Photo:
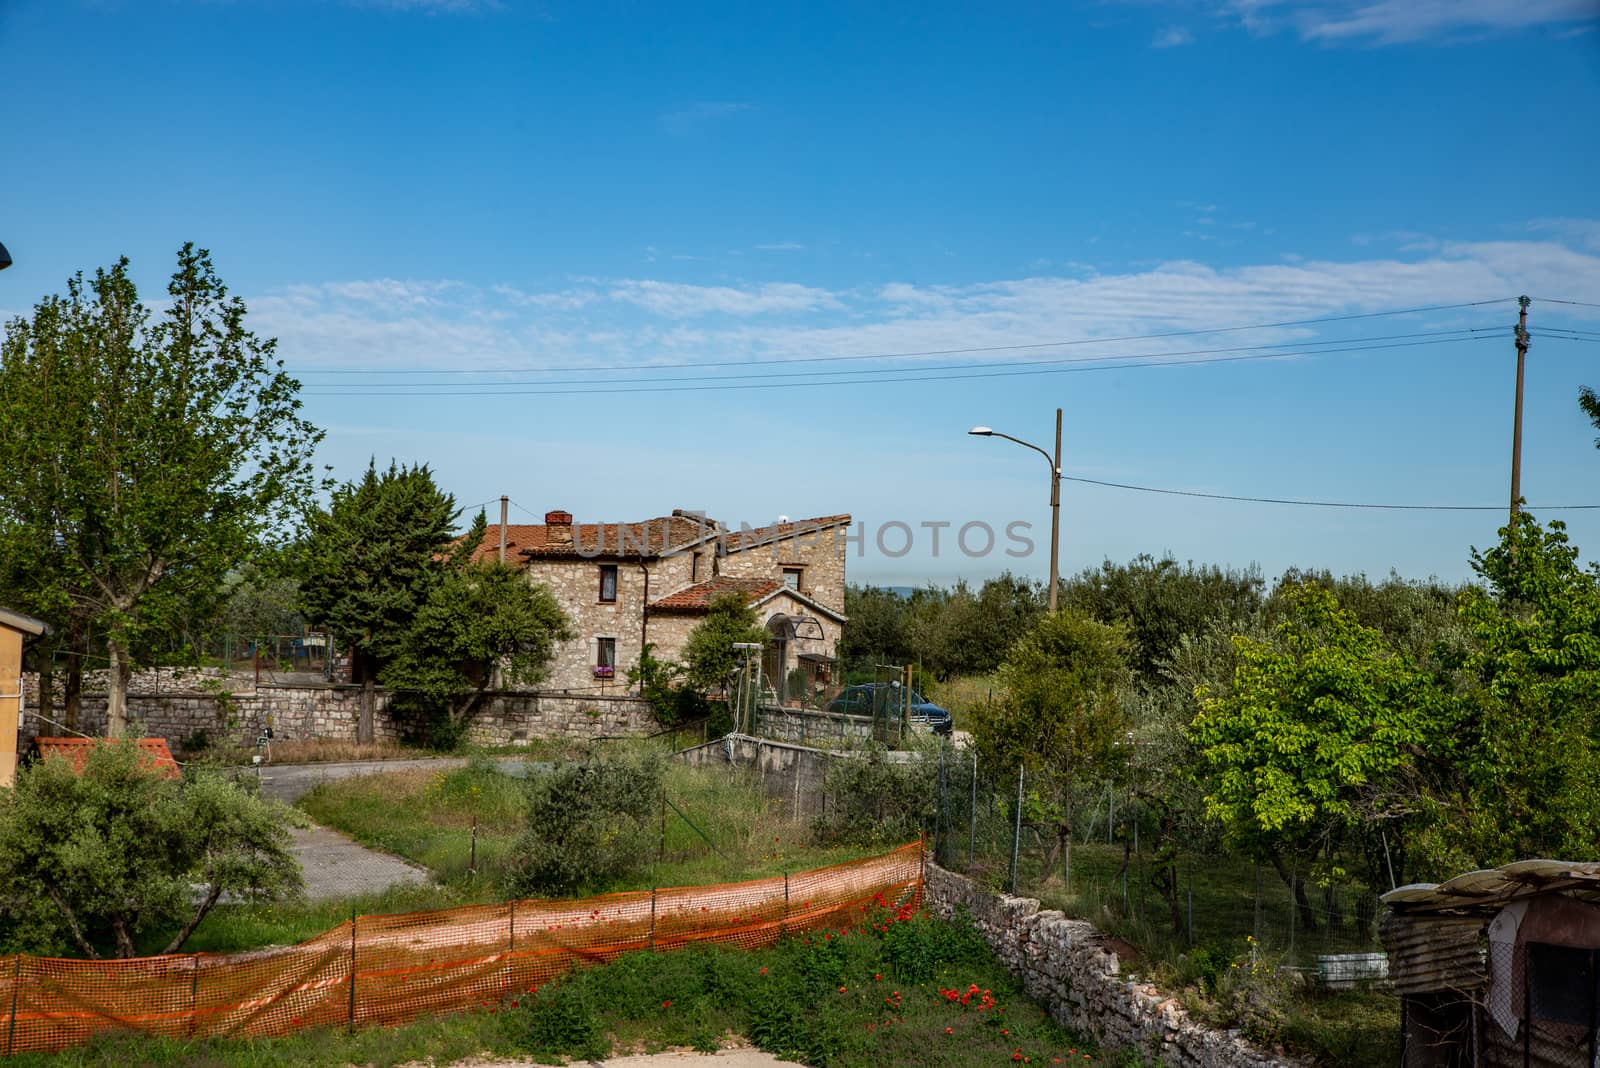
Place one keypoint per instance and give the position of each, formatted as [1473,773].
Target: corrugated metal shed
[1433,953]
[1491,889]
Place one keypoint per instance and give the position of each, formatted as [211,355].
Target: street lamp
[5,258]
[1055,493]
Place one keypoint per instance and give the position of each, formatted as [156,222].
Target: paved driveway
[333,865]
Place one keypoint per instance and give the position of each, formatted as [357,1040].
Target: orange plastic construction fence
[390,969]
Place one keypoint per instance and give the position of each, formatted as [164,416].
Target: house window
[605,658]
[608,583]
[791,578]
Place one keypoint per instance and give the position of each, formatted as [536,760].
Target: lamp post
[1055,493]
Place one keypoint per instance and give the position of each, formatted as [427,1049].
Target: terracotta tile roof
[648,538]
[744,539]
[698,598]
[651,537]
[153,751]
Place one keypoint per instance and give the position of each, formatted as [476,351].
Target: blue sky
[586,197]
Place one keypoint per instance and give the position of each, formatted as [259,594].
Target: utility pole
[1516,422]
[504,500]
[1055,516]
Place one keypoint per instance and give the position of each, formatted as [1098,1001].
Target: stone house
[625,585]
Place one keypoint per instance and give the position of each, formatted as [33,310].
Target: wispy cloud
[781,246]
[680,301]
[1387,22]
[653,321]
[1582,232]
[699,115]
[1172,37]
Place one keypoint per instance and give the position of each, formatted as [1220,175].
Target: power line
[1576,303]
[1103,364]
[908,355]
[1328,504]
[1463,333]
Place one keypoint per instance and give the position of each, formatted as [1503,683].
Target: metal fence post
[783,925]
[972,832]
[352,1023]
[1016,831]
[16,990]
[194,991]
[652,919]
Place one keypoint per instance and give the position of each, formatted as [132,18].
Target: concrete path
[336,867]
[290,782]
[333,865]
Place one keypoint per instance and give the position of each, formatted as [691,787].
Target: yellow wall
[10,683]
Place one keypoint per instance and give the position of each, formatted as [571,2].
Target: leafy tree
[708,655]
[119,850]
[1318,733]
[1591,407]
[1061,711]
[142,458]
[479,621]
[1521,771]
[1160,601]
[371,560]
[876,631]
[662,684]
[589,823]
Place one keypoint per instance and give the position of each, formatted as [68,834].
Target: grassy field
[921,992]
[718,826]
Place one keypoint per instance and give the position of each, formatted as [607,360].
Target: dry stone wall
[1067,967]
[330,711]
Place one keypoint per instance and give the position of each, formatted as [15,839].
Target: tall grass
[712,825]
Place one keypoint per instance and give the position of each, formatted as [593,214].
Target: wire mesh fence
[1117,864]
[388,969]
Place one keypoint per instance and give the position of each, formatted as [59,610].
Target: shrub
[873,801]
[589,824]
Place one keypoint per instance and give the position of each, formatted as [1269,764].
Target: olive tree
[119,850]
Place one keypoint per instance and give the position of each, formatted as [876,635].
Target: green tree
[1318,734]
[1160,601]
[371,560]
[1522,776]
[120,850]
[708,655]
[589,823]
[1591,407]
[483,624]
[262,600]
[1061,711]
[141,458]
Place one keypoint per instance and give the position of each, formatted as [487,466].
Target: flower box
[604,672]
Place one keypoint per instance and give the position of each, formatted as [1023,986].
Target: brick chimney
[558,528]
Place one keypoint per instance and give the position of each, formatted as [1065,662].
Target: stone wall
[330,711]
[807,727]
[792,774]
[1067,966]
[820,554]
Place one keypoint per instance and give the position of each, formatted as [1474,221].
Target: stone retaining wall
[795,775]
[1067,967]
[330,711]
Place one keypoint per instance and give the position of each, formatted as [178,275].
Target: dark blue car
[864,699]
